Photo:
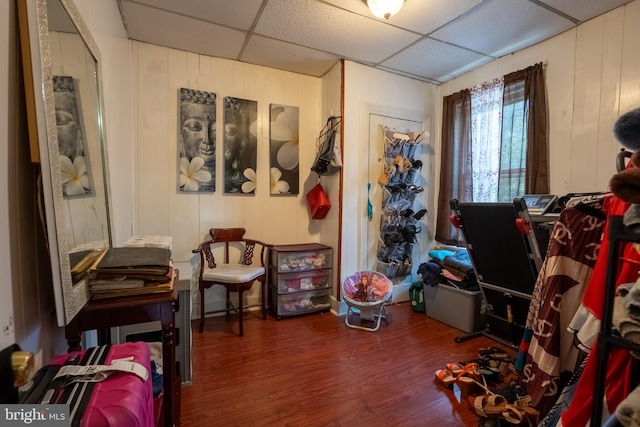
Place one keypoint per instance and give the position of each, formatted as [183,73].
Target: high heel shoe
[495,406]
[513,392]
[447,377]
[444,377]
[455,368]
[531,414]
[467,379]
[494,353]
[418,215]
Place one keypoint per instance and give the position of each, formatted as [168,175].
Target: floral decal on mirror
[196,141]
[75,173]
[284,149]
[240,145]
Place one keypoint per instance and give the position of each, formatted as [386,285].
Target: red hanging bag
[318,202]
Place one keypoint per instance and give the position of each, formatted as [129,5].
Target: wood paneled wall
[369,90]
[593,76]
[158,74]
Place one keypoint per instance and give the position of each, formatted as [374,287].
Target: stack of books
[131,271]
[150,241]
[81,262]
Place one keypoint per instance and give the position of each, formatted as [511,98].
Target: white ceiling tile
[434,60]
[503,26]
[308,36]
[357,6]
[584,10]
[326,28]
[240,16]
[421,16]
[283,56]
[425,16]
[179,32]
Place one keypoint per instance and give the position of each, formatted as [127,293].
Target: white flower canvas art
[75,171]
[240,145]
[284,149]
[196,141]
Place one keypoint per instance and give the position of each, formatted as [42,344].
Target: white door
[377,124]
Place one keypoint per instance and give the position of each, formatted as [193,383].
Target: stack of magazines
[131,271]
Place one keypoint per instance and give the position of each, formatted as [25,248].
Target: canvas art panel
[196,141]
[240,145]
[284,149]
[75,171]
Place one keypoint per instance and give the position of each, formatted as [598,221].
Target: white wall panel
[366,88]
[630,72]
[592,77]
[588,74]
[160,209]
[607,147]
[559,53]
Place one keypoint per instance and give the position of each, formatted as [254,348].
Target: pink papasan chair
[367,292]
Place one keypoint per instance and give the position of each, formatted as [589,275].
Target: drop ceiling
[429,40]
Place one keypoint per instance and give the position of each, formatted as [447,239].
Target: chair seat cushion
[233,273]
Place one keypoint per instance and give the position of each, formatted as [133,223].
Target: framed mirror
[67,137]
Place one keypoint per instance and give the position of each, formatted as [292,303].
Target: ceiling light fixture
[384,8]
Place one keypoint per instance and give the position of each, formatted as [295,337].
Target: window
[494,144]
[513,149]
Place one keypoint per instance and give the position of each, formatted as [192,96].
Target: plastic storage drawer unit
[291,258]
[302,302]
[299,279]
[303,281]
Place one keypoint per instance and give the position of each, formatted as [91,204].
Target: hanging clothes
[550,356]
[620,364]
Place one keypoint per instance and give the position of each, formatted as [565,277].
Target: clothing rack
[618,234]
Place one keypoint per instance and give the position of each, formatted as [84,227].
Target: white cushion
[232,273]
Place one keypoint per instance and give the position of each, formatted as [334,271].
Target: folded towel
[628,411]
[631,294]
[629,328]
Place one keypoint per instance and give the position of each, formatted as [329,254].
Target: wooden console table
[112,312]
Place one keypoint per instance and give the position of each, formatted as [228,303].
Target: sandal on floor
[495,406]
[494,353]
[489,370]
[467,380]
[531,414]
[513,393]
[445,378]
[456,368]
[497,359]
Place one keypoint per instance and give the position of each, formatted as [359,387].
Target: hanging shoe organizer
[400,180]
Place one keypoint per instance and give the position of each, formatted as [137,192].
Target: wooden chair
[234,276]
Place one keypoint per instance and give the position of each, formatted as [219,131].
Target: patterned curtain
[486,130]
[510,118]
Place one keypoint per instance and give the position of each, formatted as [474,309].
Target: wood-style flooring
[315,371]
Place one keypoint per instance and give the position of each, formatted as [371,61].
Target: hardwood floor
[315,371]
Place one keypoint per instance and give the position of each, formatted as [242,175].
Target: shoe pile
[490,385]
